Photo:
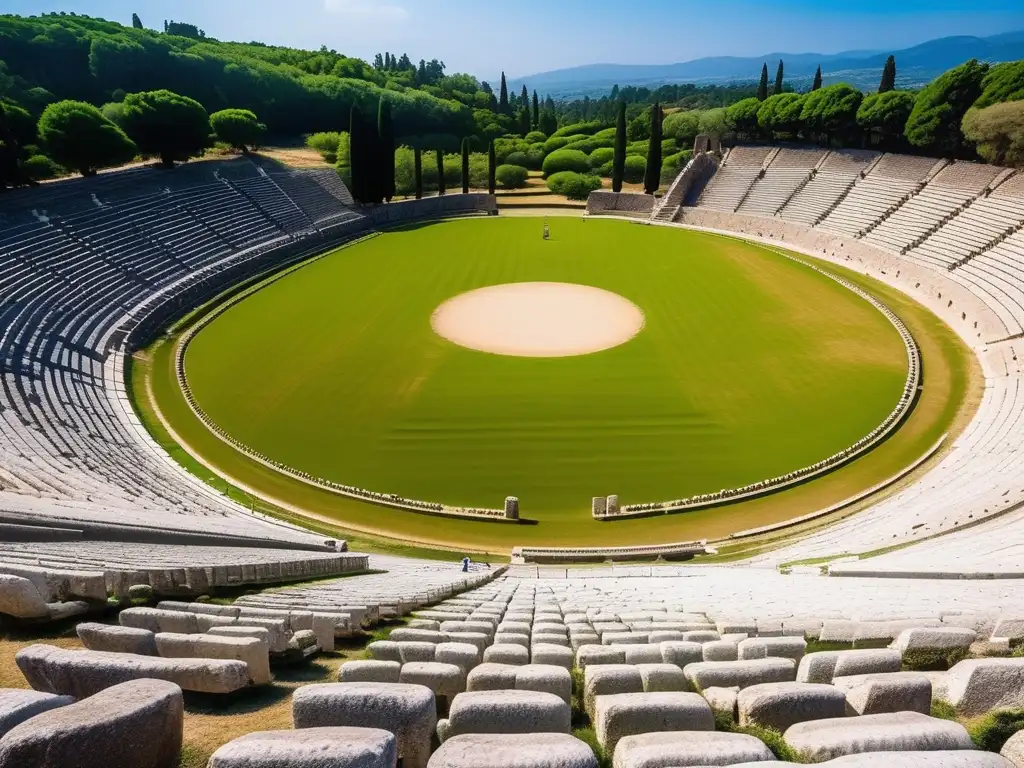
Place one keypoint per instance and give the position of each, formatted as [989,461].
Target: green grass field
[750,365]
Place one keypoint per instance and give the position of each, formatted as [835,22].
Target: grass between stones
[750,365]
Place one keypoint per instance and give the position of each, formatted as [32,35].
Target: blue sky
[522,37]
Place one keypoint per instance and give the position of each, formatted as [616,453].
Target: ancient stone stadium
[359,450]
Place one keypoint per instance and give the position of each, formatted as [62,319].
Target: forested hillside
[53,57]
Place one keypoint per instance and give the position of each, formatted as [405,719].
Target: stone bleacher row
[130,678]
[962,217]
[977,479]
[667,670]
[76,258]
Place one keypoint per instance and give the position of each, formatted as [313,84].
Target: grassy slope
[692,391]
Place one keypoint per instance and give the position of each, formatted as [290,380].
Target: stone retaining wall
[622,203]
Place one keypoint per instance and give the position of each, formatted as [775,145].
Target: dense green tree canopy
[241,129]
[78,136]
[293,91]
[998,132]
[683,126]
[1003,82]
[885,114]
[934,123]
[165,125]
[832,110]
[781,113]
[743,116]
[17,131]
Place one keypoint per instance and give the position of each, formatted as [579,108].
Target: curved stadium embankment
[937,412]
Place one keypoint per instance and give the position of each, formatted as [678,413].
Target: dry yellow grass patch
[210,721]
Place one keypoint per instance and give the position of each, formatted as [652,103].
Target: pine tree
[503,96]
[136,21]
[888,82]
[652,176]
[762,87]
[440,172]
[778,80]
[535,122]
[492,168]
[619,158]
[386,150]
[465,166]
[817,80]
[417,155]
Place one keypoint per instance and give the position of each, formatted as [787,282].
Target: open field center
[748,365]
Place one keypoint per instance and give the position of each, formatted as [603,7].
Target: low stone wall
[438,206]
[679,551]
[621,203]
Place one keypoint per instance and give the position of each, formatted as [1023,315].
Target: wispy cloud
[366,9]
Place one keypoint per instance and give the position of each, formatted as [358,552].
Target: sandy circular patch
[538,319]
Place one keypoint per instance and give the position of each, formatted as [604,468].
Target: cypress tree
[440,172]
[418,169]
[492,168]
[503,96]
[652,176]
[619,158]
[762,87]
[523,120]
[357,154]
[888,82]
[386,150]
[136,21]
[465,166]
[524,99]
[536,111]
[778,79]
[817,80]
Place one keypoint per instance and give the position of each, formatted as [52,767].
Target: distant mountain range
[915,67]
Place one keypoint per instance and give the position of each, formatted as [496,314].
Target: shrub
[575,186]
[555,143]
[326,144]
[535,157]
[511,176]
[669,147]
[585,129]
[565,160]
[41,168]
[534,137]
[636,166]
[516,158]
[239,128]
[601,156]
[606,133]
[682,126]
[505,147]
[638,148]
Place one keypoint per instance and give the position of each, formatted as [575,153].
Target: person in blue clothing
[465,564]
